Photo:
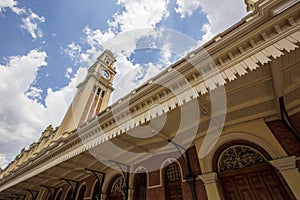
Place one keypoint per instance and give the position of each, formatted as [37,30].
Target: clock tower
[92,94]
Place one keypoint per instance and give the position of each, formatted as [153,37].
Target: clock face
[104,73]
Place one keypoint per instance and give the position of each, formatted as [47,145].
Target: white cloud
[57,102]
[30,20]
[221,15]
[166,53]
[34,93]
[73,51]
[30,24]
[139,14]
[3,161]
[138,19]
[11,4]
[22,118]
[130,76]
[68,72]
[123,43]
[94,39]
[187,7]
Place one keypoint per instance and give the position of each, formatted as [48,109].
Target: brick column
[287,167]
[210,183]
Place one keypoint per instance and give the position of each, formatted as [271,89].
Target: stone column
[210,183]
[287,168]
[130,193]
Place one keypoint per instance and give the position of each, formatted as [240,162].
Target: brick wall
[296,121]
[285,137]
[156,178]
[89,181]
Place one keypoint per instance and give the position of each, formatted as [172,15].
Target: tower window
[98,91]
[102,94]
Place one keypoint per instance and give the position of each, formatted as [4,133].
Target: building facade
[226,127]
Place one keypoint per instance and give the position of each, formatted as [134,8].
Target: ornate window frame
[238,157]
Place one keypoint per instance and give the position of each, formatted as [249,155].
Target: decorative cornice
[284,164]
[208,178]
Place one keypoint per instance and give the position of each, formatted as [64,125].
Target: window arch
[96,191]
[59,195]
[238,157]
[81,193]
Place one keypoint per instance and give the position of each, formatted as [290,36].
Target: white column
[211,187]
[287,168]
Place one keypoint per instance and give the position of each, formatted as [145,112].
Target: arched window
[69,194]
[96,192]
[238,157]
[81,193]
[140,186]
[59,195]
[173,189]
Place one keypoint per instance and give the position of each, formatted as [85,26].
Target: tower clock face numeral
[104,73]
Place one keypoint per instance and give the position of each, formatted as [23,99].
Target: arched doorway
[81,193]
[96,192]
[140,186]
[246,174]
[116,191]
[172,180]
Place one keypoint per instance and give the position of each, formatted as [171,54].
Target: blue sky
[46,47]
